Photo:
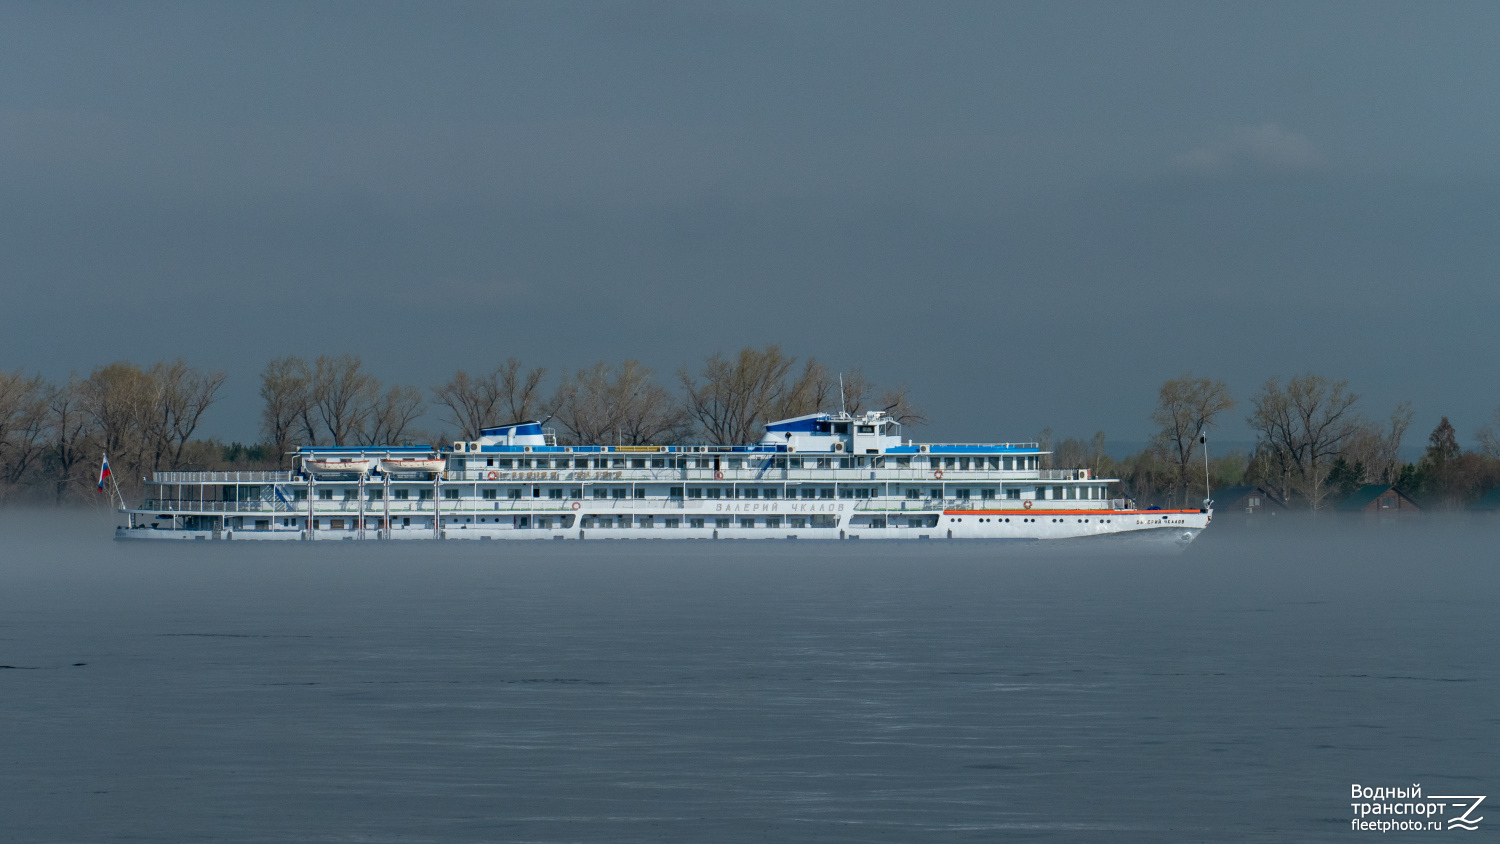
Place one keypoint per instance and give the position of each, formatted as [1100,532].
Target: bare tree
[809,392]
[735,397]
[392,416]
[71,446]
[521,391]
[183,395]
[1377,448]
[344,396]
[471,401]
[23,424]
[1303,427]
[286,393]
[622,406]
[896,402]
[118,400]
[1185,408]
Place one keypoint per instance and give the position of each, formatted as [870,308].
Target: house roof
[1366,494]
[1231,495]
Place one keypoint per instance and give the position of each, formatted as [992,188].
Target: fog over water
[713,691]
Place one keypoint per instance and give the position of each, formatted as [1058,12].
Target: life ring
[1026,504]
[576,505]
[718,476]
[493,475]
[937,473]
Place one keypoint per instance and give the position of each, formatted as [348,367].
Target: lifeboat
[413,464]
[353,465]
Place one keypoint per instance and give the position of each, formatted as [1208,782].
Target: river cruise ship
[820,476]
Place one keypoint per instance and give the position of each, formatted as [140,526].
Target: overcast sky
[1033,213]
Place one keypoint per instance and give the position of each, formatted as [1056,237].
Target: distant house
[1379,501]
[1488,504]
[1247,499]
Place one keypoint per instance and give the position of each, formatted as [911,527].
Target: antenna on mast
[842,412]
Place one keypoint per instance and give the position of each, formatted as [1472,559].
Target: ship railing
[221,477]
[886,474]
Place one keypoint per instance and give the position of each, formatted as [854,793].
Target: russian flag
[103,472]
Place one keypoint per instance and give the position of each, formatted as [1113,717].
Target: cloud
[1263,148]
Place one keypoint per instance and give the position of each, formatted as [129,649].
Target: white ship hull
[815,477]
[1164,530]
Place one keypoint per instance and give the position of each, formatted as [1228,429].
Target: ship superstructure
[819,476]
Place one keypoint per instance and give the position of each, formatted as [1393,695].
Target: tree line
[1314,446]
[1314,441]
[147,419]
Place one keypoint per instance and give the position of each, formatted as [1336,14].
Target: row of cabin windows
[596,522]
[1058,493]
[993,462]
[1090,492]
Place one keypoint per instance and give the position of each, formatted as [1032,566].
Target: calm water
[739,691]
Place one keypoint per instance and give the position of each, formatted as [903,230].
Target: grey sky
[1032,213]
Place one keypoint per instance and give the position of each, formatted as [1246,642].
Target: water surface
[737,691]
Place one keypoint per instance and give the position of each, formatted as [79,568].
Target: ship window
[638,463]
[846,492]
[844,463]
[325,495]
[424,494]
[987,493]
[862,492]
[376,493]
[768,493]
[948,462]
[400,494]
[913,493]
[841,427]
[809,492]
[1008,464]
[799,522]
[773,521]
[674,492]
[903,462]
[747,523]
[713,492]
[450,494]
[503,463]
[825,462]
[825,492]
[752,492]
[601,462]
[994,462]
[935,462]
[618,492]
[695,492]
[489,494]
[299,495]
[697,523]
[864,429]
[963,463]
[575,492]
[658,463]
[961,493]
[601,492]
[513,494]
[555,494]
[640,492]
[1013,494]
[580,463]
[721,522]
[619,463]
[734,463]
[794,462]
